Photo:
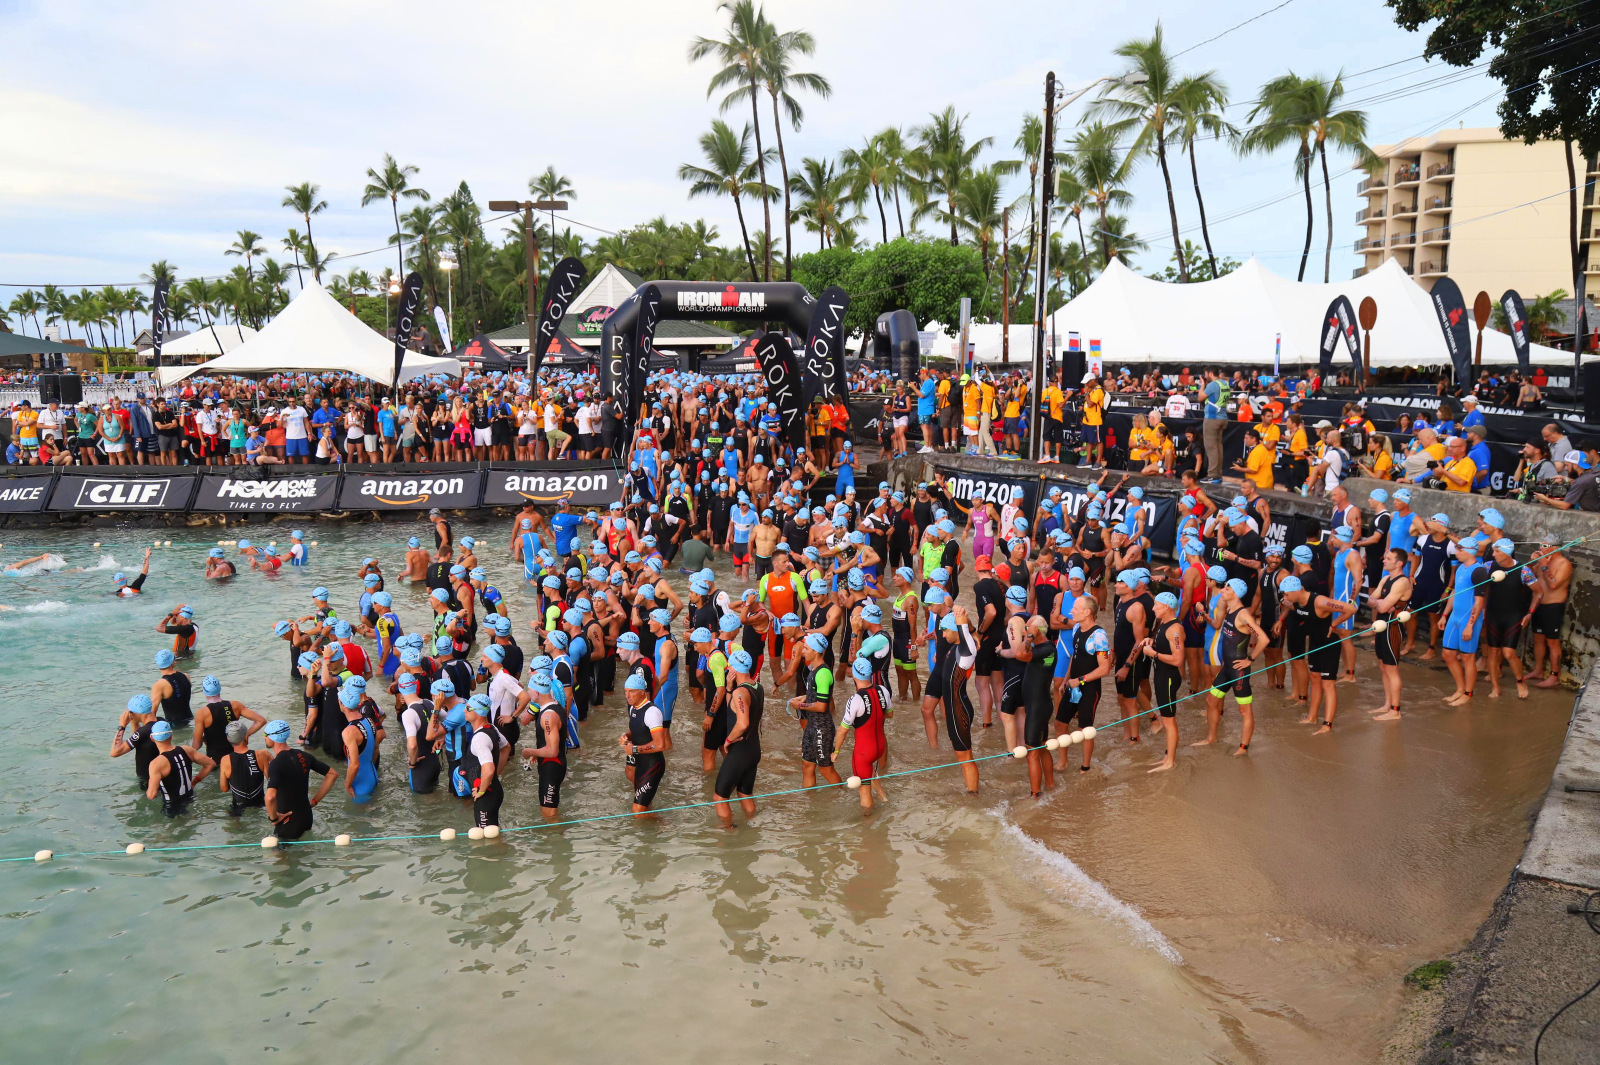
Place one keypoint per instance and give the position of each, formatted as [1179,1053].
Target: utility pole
[1005,286]
[1047,189]
[530,248]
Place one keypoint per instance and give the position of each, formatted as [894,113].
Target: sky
[154,131]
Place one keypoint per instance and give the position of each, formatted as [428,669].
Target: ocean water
[1233,910]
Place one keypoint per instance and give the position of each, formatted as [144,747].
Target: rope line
[1204,693]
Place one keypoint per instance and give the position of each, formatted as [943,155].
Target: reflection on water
[1233,910]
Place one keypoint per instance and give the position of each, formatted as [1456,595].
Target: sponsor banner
[158,316]
[1517,323]
[452,490]
[77,492]
[965,488]
[823,363]
[1452,311]
[1338,321]
[444,327]
[778,369]
[283,494]
[580,487]
[1160,512]
[639,361]
[565,281]
[405,322]
[25,494]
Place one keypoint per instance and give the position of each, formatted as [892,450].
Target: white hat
[1087,378]
[1575,456]
[1470,399]
[1323,424]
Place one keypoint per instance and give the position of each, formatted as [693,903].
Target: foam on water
[1088,893]
[106,562]
[43,565]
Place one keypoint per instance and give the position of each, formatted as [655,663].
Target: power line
[1230,29]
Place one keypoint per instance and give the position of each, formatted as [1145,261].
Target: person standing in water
[1240,641]
[1165,648]
[171,691]
[1390,597]
[289,803]
[133,734]
[645,741]
[548,754]
[1316,615]
[243,772]
[173,776]
[814,708]
[864,715]
[741,751]
[1555,572]
[212,719]
[360,738]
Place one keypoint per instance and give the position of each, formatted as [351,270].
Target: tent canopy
[1236,319]
[206,342]
[22,344]
[314,334]
[482,353]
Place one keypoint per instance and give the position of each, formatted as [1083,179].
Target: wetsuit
[1128,686]
[900,625]
[712,672]
[648,767]
[1232,644]
[738,772]
[864,712]
[1433,560]
[816,738]
[1296,627]
[552,771]
[486,745]
[1086,648]
[1267,605]
[175,707]
[1322,640]
[365,781]
[144,752]
[177,787]
[287,775]
[952,666]
[1167,678]
[1505,606]
[1344,588]
[246,783]
[1384,643]
[1458,635]
[331,721]
[423,774]
[215,735]
[1037,707]
[1011,697]
[667,692]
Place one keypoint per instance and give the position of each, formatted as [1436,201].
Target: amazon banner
[550,485]
[79,492]
[965,488]
[448,490]
[298,493]
[1160,512]
[25,493]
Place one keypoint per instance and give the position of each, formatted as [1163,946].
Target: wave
[43,565]
[43,606]
[1087,892]
[106,562]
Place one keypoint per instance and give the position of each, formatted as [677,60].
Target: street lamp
[1046,192]
[530,247]
[394,290]
[448,265]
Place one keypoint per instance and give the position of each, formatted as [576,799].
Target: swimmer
[212,719]
[548,754]
[267,561]
[133,734]
[467,557]
[1167,652]
[644,741]
[123,588]
[14,566]
[1037,653]
[288,801]
[179,624]
[416,567]
[423,729]
[863,717]
[171,691]
[442,537]
[243,772]
[1082,663]
[486,756]
[218,566]
[172,772]
[1318,613]
[814,708]
[741,751]
[297,549]
[1239,641]
[361,738]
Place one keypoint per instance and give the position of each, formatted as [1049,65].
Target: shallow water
[1256,909]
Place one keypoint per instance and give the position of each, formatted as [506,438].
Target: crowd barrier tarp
[550,483]
[110,489]
[1160,511]
[290,490]
[26,492]
[410,490]
[965,488]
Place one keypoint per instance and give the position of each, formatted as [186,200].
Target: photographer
[1537,473]
[1457,472]
[1584,494]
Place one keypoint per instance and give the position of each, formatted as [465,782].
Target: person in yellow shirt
[947,413]
[1458,472]
[1258,460]
[25,424]
[1143,443]
[1053,408]
[1269,432]
[1093,424]
[1013,422]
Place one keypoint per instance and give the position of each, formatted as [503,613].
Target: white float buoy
[491,832]
[342,840]
[1089,732]
[96,544]
[853,783]
[447,834]
[268,842]
[1403,617]
[43,856]
[313,543]
[166,543]
[156,544]
[135,848]
[1074,737]
[272,543]
[1498,575]
[1379,625]
[1019,752]
[1052,744]
[474,832]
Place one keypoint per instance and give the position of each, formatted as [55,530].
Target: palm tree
[28,305]
[274,284]
[978,211]
[729,171]
[1103,168]
[360,282]
[295,244]
[1346,129]
[316,262]
[1121,242]
[1141,103]
[1284,105]
[1197,107]
[868,167]
[896,172]
[303,199]
[1544,315]
[742,54]
[943,160]
[248,245]
[423,232]
[55,305]
[392,182]
[549,186]
[825,196]
[779,79]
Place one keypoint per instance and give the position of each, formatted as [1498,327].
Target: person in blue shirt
[845,463]
[565,525]
[927,409]
[324,415]
[1464,620]
[1473,416]
[1478,451]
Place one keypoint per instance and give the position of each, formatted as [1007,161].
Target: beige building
[1447,204]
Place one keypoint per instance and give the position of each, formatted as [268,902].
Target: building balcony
[1436,236]
[1357,272]
[1407,268]
[1370,215]
[1370,186]
[1403,240]
[1441,171]
[1403,210]
[1437,205]
[1407,175]
[1369,244]
[1432,269]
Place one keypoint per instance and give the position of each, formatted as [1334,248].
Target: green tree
[305,200]
[866,168]
[978,212]
[926,277]
[1282,115]
[1198,104]
[1544,315]
[1102,169]
[424,235]
[247,245]
[550,185]
[1346,128]
[1144,108]
[742,55]
[295,244]
[27,306]
[729,171]
[825,200]
[159,271]
[944,159]
[1199,267]
[780,52]
[897,169]
[392,182]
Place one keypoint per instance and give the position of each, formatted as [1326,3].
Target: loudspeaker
[71,389]
[1073,366]
[49,388]
[1591,393]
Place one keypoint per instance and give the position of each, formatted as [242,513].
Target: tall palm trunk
[761,165]
[1105,236]
[1304,159]
[311,245]
[1083,244]
[883,219]
[950,203]
[1172,205]
[298,276]
[1327,192]
[399,248]
[744,234]
[1205,232]
[899,218]
[783,161]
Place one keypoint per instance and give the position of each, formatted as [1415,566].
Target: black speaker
[1072,369]
[49,388]
[1591,393]
[71,389]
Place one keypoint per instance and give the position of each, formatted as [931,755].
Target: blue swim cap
[540,682]
[371,580]
[411,656]
[934,596]
[297,535]
[319,592]
[861,668]
[728,623]
[479,704]
[817,642]
[906,574]
[1017,595]
[413,542]
[572,617]
[215,552]
[278,731]
[1238,587]
[244,545]
[1167,599]
[789,621]
[307,659]
[699,587]
[164,659]
[628,641]
[281,629]
[939,576]
[495,653]
[383,599]
[406,682]
[856,580]
[358,683]
[1076,572]
[458,570]
[636,683]
[443,645]
[1378,495]
[349,698]
[1289,584]
[468,542]
[140,704]
[211,686]
[872,614]
[443,686]
[948,623]
[818,587]
[336,651]
[741,661]
[1302,554]
[161,730]
[1215,573]
[700,635]
[660,616]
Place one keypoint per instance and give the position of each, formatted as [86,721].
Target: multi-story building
[1491,214]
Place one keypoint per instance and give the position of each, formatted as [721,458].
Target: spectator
[1584,494]
[1478,452]
[1458,472]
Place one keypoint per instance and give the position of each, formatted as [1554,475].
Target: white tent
[1236,319]
[315,334]
[206,342]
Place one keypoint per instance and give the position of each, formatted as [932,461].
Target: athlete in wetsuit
[1387,600]
[863,718]
[1013,662]
[1463,623]
[360,737]
[1165,649]
[173,775]
[211,721]
[133,734]
[1510,604]
[418,720]
[1433,554]
[903,623]
[289,805]
[243,772]
[1038,655]
[487,753]
[171,691]
[1131,625]
[644,741]
[1079,671]
[1316,615]
[741,750]
[1240,640]
[549,750]
[814,708]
